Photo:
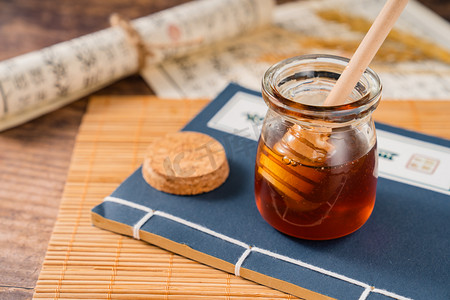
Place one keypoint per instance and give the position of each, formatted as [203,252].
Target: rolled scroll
[44,80]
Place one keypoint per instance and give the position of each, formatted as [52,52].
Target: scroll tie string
[134,39]
[145,50]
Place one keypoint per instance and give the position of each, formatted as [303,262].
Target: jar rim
[277,101]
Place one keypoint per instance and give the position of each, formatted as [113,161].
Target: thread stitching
[237,266]
[140,223]
[365,294]
[248,249]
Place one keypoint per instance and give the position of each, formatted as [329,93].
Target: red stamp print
[423,164]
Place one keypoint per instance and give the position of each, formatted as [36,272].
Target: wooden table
[34,157]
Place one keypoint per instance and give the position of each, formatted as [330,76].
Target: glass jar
[316,166]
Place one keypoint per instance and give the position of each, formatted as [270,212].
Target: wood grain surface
[34,157]
[83,261]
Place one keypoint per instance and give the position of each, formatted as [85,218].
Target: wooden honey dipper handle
[365,52]
[346,82]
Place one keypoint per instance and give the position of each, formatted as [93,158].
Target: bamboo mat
[85,262]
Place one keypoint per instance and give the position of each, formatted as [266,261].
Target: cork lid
[185,163]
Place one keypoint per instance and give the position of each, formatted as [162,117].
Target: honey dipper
[315,146]
[352,72]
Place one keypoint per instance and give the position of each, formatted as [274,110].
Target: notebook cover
[402,252]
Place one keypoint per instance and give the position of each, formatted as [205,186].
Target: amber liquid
[316,202]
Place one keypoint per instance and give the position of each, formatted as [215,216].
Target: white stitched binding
[367,288]
[138,225]
[310,267]
[127,203]
[237,266]
[201,228]
[365,294]
[389,294]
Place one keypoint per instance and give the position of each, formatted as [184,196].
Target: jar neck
[320,125]
[296,87]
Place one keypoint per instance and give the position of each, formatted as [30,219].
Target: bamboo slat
[84,262]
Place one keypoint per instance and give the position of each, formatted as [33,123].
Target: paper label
[242,115]
[401,158]
[413,161]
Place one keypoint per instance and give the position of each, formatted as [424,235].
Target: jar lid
[185,163]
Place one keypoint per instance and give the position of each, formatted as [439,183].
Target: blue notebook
[402,252]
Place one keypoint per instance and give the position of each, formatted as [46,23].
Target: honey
[316,201]
[316,164]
